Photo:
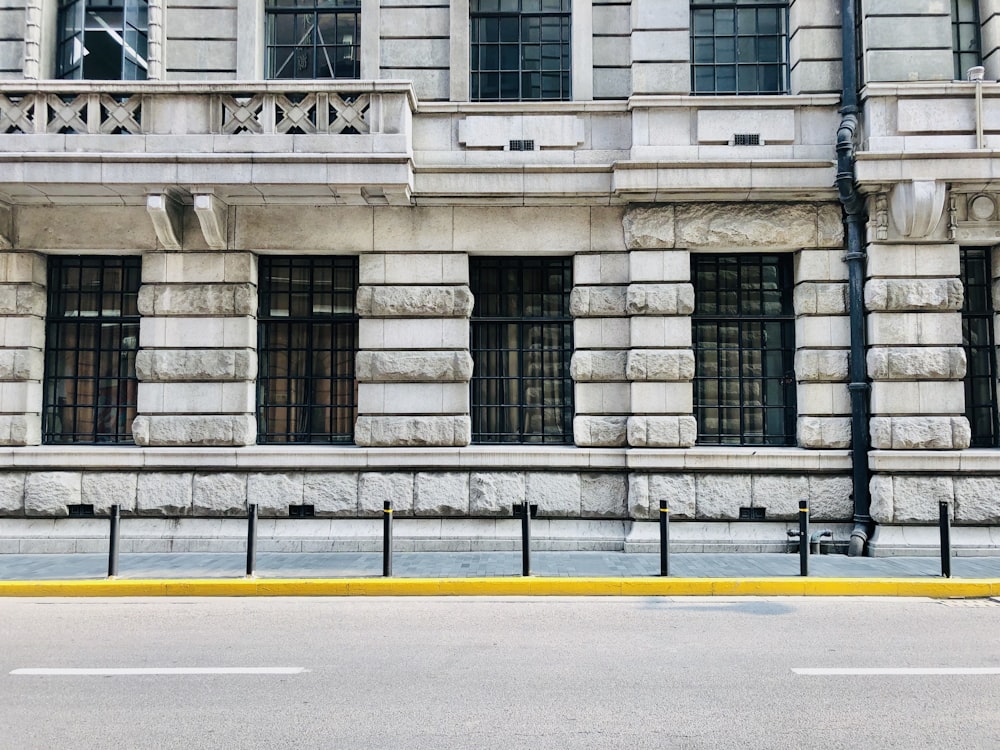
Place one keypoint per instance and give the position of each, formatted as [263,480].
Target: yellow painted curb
[939,588]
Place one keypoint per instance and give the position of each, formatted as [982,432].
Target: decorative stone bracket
[213,215]
[166,214]
[917,207]
[6,227]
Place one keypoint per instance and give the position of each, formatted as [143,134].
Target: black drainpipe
[854,222]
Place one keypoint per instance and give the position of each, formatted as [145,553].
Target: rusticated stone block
[413,366]
[557,494]
[930,433]
[21,364]
[166,365]
[374,488]
[331,493]
[646,490]
[880,491]
[977,500]
[821,365]
[598,366]
[914,498]
[603,495]
[824,432]
[165,493]
[889,295]
[597,301]
[779,494]
[102,489]
[599,431]
[47,493]
[384,432]
[272,493]
[831,498]
[719,497]
[662,432]
[12,493]
[659,299]
[208,430]
[917,363]
[197,299]
[814,298]
[747,225]
[20,429]
[22,299]
[651,228]
[665,365]
[441,494]
[414,302]
[830,225]
[219,494]
[492,493]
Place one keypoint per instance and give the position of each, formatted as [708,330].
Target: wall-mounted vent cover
[301,511]
[746,139]
[522,145]
[753,514]
[80,511]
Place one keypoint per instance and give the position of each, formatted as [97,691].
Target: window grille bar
[312,39]
[978,340]
[965,36]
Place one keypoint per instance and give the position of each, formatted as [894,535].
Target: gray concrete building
[585,254]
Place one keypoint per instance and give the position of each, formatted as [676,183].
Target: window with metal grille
[965,44]
[739,47]
[91,338]
[307,343]
[520,50]
[744,342]
[102,39]
[522,341]
[979,344]
[313,38]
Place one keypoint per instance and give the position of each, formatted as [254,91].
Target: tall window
[522,341]
[744,329]
[965,36]
[520,50]
[980,351]
[308,339]
[739,47]
[102,39]
[313,38]
[92,334]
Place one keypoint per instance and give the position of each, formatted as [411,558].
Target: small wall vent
[80,511]
[746,139]
[522,145]
[301,511]
[753,514]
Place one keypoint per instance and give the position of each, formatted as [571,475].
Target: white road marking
[128,671]
[902,671]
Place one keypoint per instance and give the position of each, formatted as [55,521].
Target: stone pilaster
[197,361]
[661,47]
[414,366]
[22,339]
[814,46]
[915,360]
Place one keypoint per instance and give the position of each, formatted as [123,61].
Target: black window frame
[82,49]
[513,400]
[965,28]
[979,344]
[306,20]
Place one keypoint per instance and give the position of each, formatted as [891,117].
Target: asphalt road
[507,673]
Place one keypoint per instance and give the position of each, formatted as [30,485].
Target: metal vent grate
[522,145]
[753,514]
[80,511]
[746,139]
[301,511]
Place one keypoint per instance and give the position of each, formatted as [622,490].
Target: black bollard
[113,542]
[526,539]
[944,522]
[252,540]
[664,539]
[387,538]
[804,537]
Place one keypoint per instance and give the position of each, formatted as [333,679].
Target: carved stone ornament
[881,217]
[917,207]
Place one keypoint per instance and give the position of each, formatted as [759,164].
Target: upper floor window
[965,36]
[739,47]
[313,38]
[978,341]
[520,50]
[102,39]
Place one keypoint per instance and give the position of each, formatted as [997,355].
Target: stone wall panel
[821,365]
[893,295]
[659,299]
[492,493]
[598,366]
[831,498]
[600,431]
[197,299]
[12,493]
[219,494]
[746,225]
[823,432]
[557,494]
[374,488]
[412,431]
[917,363]
[421,366]
[165,493]
[102,489]
[662,432]
[414,301]
[649,228]
[663,365]
[603,495]
[185,430]
[815,298]
[915,433]
[21,364]
[47,493]
[272,492]
[331,493]
[977,500]
[779,494]
[720,496]
[441,494]
[597,301]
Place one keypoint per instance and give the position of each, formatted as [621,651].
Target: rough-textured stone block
[598,366]
[492,493]
[557,494]
[272,493]
[667,365]
[20,429]
[102,489]
[977,500]
[814,298]
[597,301]
[651,228]
[22,299]
[21,364]
[821,365]
[47,493]
[746,225]
[413,366]
[646,490]
[720,496]
[164,493]
[824,432]
[603,495]
[915,499]
[599,431]
[880,491]
[779,494]
[374,488]
[441,494]
[208,430]
[12,493]
[917,363]
[660,299]
[197,299]
[911,433]
[909,328]
[414,301]
[219,494]
[831,498]
[662,432]
[163,365]
[891,295]
[331,493]
[412,431]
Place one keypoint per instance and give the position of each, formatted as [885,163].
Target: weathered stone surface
[441,494]
[814,298]
[21,364]
[880,490]
[272,493]
[646,490]
[594,432]
[163,430]
[915,498]
[719,497]
[413,366]
[20,429]
[492,493]
[913,294]
[779,494]
[165,493]
[659,299]
[557,494]
[166,365]
[597,301]
[197,299]
[374,488]
[414,301]
[821,365]
[47,493]
[917,363]
[977,500]
[667,365]
[12,493]
[219,494]
[598,366]
[412,431]
[746,225]
[830,226]
[102,489]
[824,432]
[331,493]
[603,495]
[909,433]
[662,432]
[651,228]
[831,498]
[22,299]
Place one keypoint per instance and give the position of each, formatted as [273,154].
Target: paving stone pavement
[474,564]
